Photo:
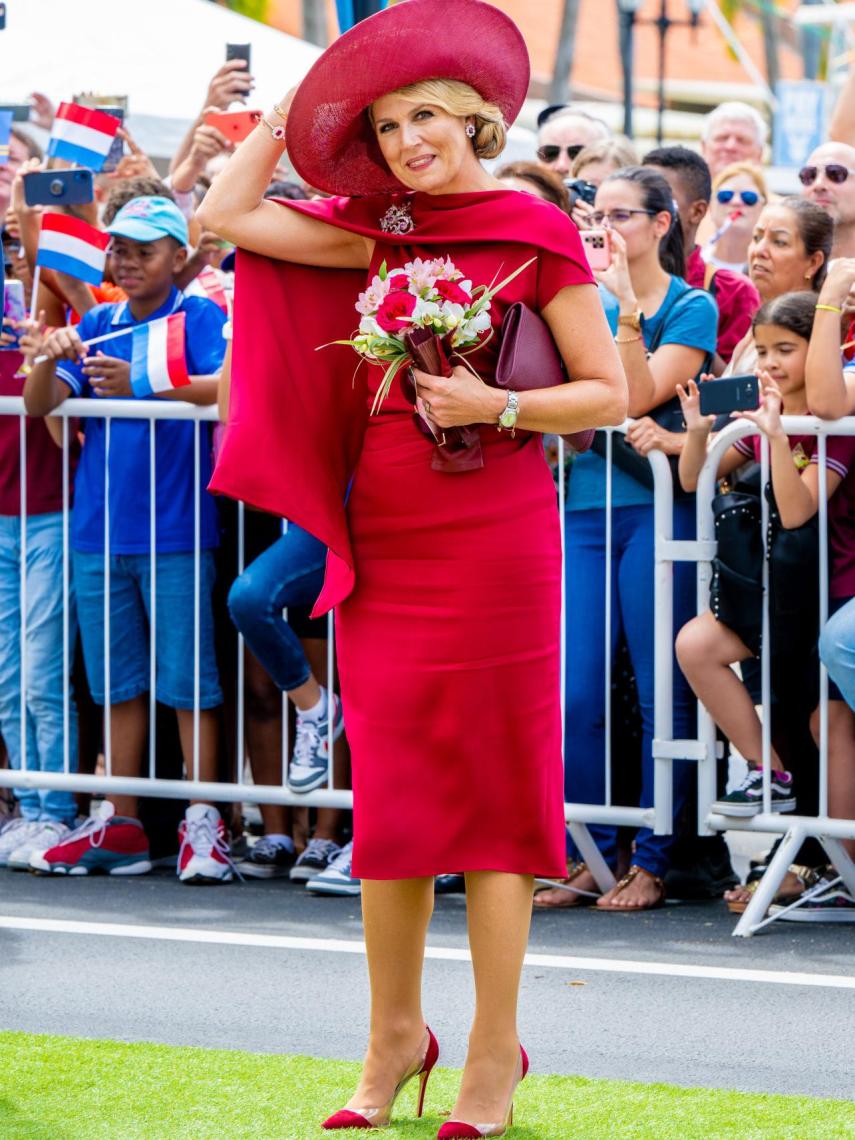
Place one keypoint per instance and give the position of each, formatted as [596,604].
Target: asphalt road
[301,986]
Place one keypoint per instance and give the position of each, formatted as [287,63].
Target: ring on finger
[427,406]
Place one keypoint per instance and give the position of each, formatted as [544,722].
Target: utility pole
[315,22]
[559,88]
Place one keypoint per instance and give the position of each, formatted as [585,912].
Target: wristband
[829,309]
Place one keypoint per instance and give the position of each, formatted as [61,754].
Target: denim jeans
[837,650]
[44,702]
[632,617]
[288,573]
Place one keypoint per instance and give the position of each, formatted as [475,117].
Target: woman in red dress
[447,583]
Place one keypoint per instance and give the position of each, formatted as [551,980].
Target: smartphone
[14,309]
[238,51]
[2,17]
[729,394]
[58,187]
[579,188]
[597,247]
[20,111]
[114,157]
[235,125]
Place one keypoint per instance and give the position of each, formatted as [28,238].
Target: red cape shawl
[296,416]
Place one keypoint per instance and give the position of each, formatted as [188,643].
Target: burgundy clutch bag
[529,358]
[459,448]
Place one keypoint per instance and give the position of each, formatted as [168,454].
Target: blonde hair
[618,150]
[747,168]
[457,98]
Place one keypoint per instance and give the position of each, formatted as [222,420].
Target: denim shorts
[130,618]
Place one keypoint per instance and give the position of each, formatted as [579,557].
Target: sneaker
[316,857]
[706,876]
[204,855]
[49,834]
[310,760]
[267,860]
[106,843]
[337,878]
[828,901]
[747,799]
[14,833]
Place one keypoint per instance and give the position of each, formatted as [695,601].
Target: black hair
[816,229]
[656,197]
[290,190]
[689,165]
[792,311]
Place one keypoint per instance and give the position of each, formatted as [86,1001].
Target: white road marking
[439,953]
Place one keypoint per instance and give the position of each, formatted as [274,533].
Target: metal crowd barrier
[704,750]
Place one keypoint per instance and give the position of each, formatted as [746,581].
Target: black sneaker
[267,860]
[318,855]
[707,876]
[747,799]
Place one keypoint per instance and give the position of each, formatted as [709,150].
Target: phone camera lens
[56,187]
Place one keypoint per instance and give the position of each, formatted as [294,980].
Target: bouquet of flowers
[427,294]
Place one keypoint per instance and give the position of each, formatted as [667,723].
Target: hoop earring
[470,130]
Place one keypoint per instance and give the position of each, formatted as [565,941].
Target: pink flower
[451,291]
[396,306]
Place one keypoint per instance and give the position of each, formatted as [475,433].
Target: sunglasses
[553,153]
[747,197]
[834,172]
[617,217]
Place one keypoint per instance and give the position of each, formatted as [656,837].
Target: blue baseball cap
[147,219]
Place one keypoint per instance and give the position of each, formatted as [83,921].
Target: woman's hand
[581,214]
[767,418]
[690,402]
[616,278]
[646,435]
[839,282]
[459,399]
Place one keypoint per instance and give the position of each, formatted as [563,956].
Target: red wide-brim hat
[331,143]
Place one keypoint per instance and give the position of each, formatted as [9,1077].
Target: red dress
[448,646]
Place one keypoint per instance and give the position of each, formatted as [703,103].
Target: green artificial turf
[65,1088]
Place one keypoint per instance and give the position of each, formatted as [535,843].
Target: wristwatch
[508,418]
[632,320]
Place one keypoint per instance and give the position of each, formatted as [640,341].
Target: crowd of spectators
[709,274]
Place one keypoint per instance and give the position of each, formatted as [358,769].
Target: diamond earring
[470,130]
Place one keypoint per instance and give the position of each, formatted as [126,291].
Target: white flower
[421,275]
[426,311]
[368,326]
[445,269]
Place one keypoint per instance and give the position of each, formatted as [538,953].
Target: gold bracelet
[278,132]
[629,339]
[829,309]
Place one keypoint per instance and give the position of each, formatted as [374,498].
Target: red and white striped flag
[157,356]
[73,247]
[82,135]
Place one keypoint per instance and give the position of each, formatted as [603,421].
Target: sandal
[632,874]
[574,895]
[808,876]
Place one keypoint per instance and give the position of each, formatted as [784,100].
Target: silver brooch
[397,220]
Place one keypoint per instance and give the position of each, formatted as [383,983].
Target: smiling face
[145,269]
[424,146]
[777,259]
[783,354]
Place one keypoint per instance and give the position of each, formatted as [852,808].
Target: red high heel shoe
[460,1130]
[381,1117]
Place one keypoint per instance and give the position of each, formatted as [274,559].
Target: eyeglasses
[552,153]
[834,172]
[617,217]
[747,197]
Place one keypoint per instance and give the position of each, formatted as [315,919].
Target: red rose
[451,291]
[396,306]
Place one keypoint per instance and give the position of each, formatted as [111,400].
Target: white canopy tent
[160,53]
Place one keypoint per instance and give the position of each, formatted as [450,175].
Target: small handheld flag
[157,356]
[5,134]
[82,136]
[74,247]
[209,281]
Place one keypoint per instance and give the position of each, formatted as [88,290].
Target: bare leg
[128,728]
[841,763]
[396,913]
[706,649]
[498,908]
[209,735]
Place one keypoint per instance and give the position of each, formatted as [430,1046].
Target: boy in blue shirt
[148,250]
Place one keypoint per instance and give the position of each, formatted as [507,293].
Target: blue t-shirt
[129,444]
[692,323]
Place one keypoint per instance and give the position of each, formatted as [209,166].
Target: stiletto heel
[381,1117]
[460,1130]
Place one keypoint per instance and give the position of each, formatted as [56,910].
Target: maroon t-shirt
[44,458]
[839,458]
[736,297]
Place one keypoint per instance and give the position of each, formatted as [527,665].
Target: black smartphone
[116,151]
[58,187]
[239,51]
[729,394]
[20,111]
[579,188]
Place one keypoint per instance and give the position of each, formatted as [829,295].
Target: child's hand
[768,416]
[64,344]
[690,402]
[108,375]
[33,336]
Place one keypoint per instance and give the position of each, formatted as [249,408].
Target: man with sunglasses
[688,175]
[562,132]
[828,179]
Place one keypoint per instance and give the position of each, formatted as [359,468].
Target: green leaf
[382,272]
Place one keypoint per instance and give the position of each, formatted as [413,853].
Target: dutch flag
[73,247]
[5,133]
[157,360]
[82,136]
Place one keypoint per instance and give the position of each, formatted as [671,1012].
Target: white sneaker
[338,878]
[204,856]
[14,834]
[49,834]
